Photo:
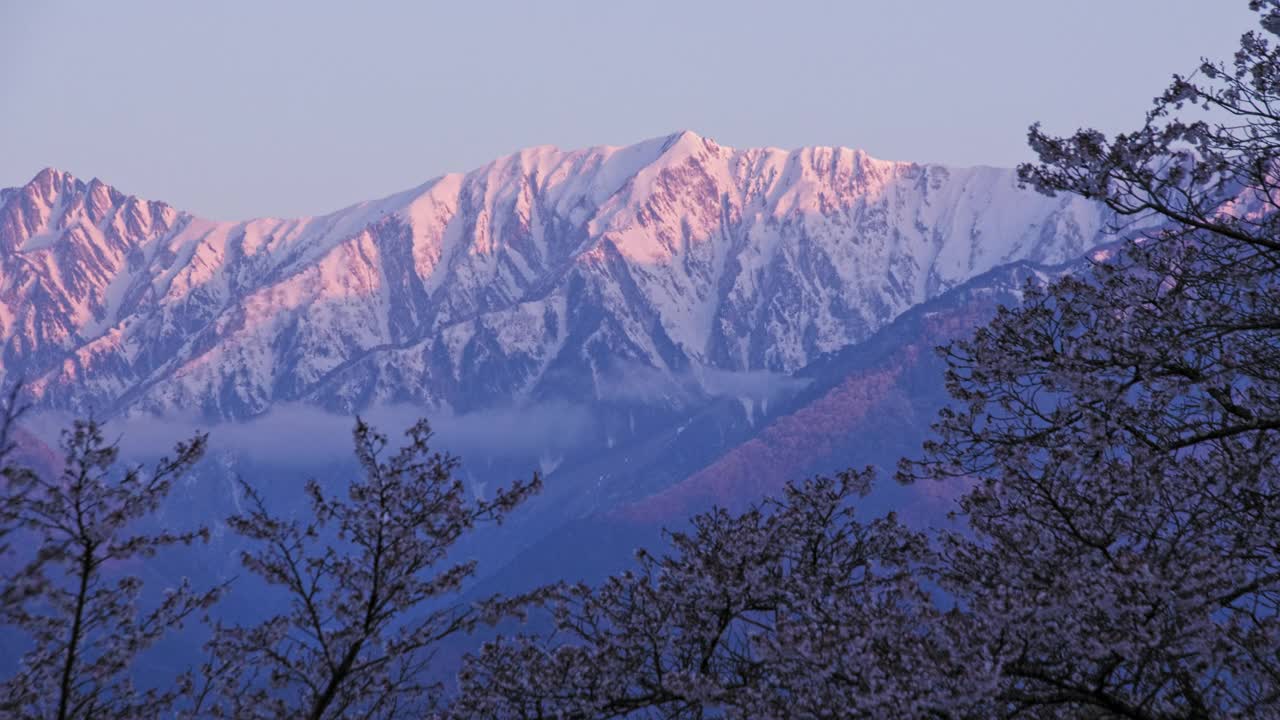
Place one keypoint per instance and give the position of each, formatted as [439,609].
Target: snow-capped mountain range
[584,275]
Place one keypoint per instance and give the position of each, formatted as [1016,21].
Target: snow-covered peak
[54,203]
[685,144]
[36,205]
[49,182]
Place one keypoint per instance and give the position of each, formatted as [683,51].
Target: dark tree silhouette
[367,579]
[82,617]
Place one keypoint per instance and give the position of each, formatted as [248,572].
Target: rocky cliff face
[599,275]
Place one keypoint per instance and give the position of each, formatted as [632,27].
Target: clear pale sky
[239,109]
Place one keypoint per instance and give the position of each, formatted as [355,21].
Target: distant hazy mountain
[672,269]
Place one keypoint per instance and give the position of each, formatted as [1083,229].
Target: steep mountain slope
[600,275]
[867,404]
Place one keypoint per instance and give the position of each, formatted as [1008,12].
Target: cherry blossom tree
[83,621]
[793,608]
[1123,426]
[367,581]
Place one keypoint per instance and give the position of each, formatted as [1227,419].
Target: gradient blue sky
[239,109]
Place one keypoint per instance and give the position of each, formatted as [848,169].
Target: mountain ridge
[545,273]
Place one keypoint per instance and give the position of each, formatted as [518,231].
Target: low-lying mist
[293,432]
